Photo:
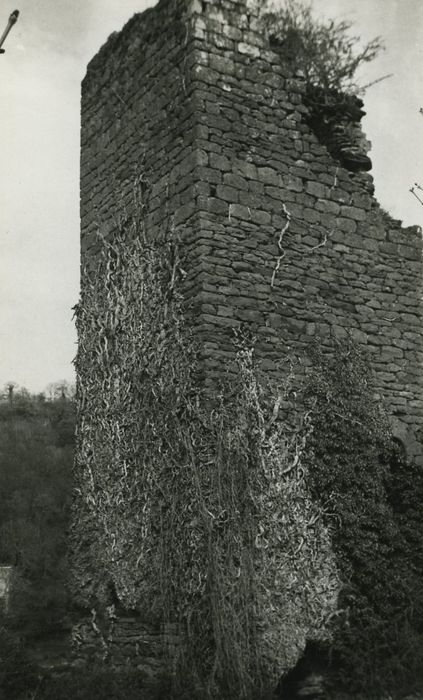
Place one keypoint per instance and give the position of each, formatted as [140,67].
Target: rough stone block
[236,181]
[184,213]
[346,225]
[249,50]
[229,194]
[353,213]
[223,65]
[217,206]
[240,211]
[268,176]
[317,189]
[409,252]
[260,217]
[219,162]
[292,183]
[245,169]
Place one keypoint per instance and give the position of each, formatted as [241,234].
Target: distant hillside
[36,453]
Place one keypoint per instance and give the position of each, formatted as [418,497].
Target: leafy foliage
[374,499]
[17,674]
[36,453]
[326,52]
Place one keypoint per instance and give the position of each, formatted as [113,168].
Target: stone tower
[280,235]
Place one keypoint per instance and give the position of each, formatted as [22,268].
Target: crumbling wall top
[220,15]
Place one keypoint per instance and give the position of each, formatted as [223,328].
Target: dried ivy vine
[191,508]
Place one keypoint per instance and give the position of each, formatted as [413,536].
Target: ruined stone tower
[191,102]
[191,94]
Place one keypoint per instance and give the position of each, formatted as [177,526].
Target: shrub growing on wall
[329,57]
[374,500]
[325,51]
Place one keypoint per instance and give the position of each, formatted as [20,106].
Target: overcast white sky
[41,71]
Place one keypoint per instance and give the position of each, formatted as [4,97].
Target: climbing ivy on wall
[373,498]
[239,514]
[191,507]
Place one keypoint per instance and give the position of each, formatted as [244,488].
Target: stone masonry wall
[137,125]
[189,106]
[124,643]
[278,235]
